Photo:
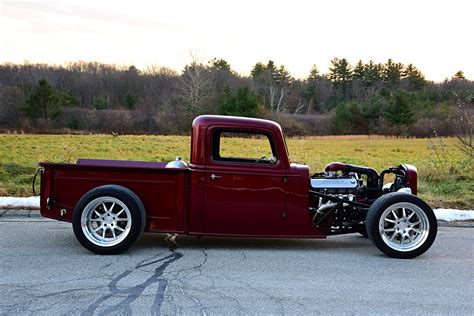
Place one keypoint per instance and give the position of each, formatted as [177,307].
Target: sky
[436,36]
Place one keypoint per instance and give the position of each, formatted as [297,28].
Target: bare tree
[272,82]
[11,99]
[194,83]
[462,125]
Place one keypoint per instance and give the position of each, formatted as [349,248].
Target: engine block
[334,185]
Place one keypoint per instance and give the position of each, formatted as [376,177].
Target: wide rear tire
[401,225]
[109,219]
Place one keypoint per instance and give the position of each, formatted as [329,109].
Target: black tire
[131,226]
[403,226]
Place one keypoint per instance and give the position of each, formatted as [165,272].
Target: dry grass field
[446,177]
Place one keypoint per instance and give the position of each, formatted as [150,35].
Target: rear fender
[411,177]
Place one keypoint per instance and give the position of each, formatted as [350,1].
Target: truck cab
[255,191]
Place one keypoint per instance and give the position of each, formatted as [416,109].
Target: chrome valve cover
[333,183]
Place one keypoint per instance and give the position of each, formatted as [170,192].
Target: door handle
[213,176]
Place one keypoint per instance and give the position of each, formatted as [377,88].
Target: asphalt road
[44,270]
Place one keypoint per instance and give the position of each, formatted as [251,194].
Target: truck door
[244,184]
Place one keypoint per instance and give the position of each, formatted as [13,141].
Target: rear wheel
[108,219]
[401,225]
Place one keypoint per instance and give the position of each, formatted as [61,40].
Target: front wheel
[108,219]
[401,225]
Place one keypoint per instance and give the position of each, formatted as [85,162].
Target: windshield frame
[286,147]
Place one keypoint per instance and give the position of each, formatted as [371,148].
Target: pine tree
[398,111]
[414,77]
[392,73]
[46,103]
[459,75]
[340,75]
[241,103]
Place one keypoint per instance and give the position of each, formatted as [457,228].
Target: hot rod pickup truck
[254,191]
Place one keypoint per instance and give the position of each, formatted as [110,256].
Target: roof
[206,120]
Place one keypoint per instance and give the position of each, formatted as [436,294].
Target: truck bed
[162,190]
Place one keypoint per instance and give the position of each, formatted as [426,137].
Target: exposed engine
[332,184]
[341,195]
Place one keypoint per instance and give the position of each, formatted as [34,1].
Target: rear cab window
[237,146]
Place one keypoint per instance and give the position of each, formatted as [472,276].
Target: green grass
[445,179]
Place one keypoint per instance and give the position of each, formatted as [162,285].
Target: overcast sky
[436,36]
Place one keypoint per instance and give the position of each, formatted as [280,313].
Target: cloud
[101,11]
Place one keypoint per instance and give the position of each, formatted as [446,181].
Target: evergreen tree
[398,111]
[220,64]
[309,92]
[99,103]
[459,75]
[359,70]
[340,72]
[372,111]
[372,74]
[271,67]
[340,75]
[46,103]
[241,103]
[392,73]
[414,77]
[131,99]
[348,119]
[314,73]
[257,70]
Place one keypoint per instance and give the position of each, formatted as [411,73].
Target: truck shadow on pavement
[332,244]
[352,244]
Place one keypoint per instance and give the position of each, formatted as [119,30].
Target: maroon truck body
[245,198]
[227,193]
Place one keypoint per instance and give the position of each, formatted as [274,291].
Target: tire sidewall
[376,211]
[134,205]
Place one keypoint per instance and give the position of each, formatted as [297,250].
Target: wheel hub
[109,219]
[402,225]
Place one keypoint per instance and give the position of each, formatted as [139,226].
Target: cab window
[243,147]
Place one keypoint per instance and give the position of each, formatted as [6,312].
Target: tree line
[365,98]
